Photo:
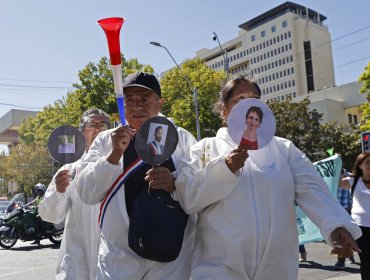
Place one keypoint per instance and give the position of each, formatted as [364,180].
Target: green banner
[329,169]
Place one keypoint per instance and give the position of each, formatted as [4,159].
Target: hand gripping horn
[112,27]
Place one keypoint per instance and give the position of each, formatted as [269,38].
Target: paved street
[29,262]
[320,264]
[26,261]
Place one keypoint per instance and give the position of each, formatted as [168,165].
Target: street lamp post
[224,54]
[195,94]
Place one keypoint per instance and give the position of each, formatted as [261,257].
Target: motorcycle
[20,222]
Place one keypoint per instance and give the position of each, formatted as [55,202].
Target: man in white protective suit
[112,153]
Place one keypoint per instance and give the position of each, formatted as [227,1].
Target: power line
[353,61]
[33,89]
[28,86]
[41,81]
[18,106]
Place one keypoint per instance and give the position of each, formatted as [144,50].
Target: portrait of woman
[253,121]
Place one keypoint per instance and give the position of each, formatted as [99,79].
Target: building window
[284,23]
[355,119]
[263,33]
[273,28]
[253,38]
[349,118]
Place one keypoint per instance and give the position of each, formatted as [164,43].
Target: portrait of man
[155,144]
[67,144]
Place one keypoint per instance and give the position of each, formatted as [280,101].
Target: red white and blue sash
[116,186]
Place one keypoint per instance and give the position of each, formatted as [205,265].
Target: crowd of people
[239,198]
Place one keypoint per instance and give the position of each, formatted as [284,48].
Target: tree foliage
[27,165]
[365,79]
[177,89]
[29,162]
[295,122]
[96,89]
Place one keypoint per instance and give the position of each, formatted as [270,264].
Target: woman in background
[361,209]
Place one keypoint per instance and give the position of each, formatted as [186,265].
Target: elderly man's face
[65,139]
[140,105]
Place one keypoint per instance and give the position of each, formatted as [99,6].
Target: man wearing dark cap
[112,153]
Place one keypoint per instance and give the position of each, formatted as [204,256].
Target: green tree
[295,122]
[27,165]
[96,89]
[177,89]
[29,162]
[344,140]
[365,79]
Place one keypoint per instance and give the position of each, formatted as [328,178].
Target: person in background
[361,208]
[302,253]
[39,191]
[345,199]
[246,225]
[113,153]
[79,249]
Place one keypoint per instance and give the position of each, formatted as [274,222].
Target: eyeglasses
[94,125]
[143,101]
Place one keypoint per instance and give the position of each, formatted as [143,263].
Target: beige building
[338,103]
[288,50]
[9,125]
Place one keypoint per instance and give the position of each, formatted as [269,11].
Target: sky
[45,43]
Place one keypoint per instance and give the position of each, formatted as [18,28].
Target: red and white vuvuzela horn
[112,27]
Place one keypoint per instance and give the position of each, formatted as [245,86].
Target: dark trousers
[364,244]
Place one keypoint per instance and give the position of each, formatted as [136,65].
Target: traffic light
[365,141]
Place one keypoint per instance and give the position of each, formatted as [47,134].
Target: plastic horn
[112,27]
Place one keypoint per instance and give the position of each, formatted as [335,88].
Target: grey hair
[90,112]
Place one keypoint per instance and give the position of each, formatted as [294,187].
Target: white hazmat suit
[116,259]
[246,226]
[80,244]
